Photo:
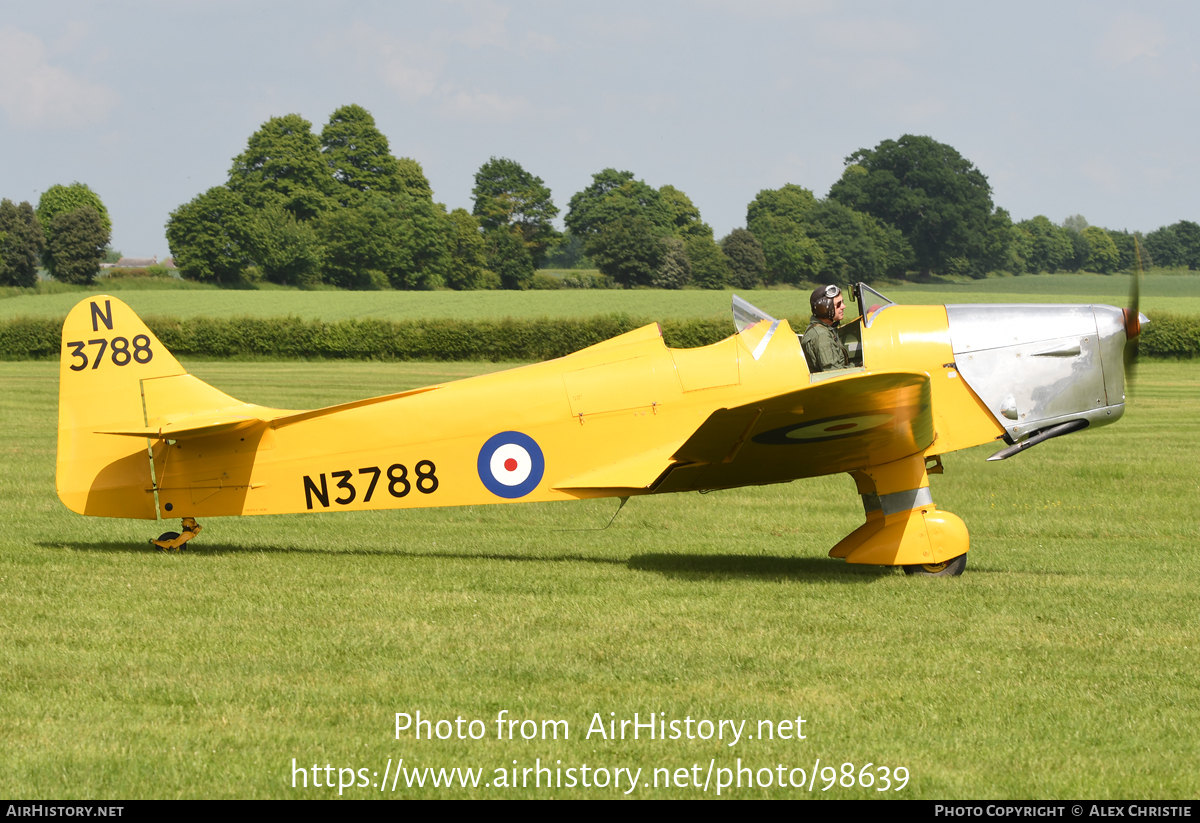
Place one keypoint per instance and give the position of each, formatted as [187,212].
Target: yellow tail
[118,387]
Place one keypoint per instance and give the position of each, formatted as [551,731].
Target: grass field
[1176,292]
[1062,664]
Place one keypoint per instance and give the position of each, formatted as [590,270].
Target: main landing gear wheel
[951,568]
[175,541]
[165,537]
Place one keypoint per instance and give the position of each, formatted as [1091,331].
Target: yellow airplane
[139,437]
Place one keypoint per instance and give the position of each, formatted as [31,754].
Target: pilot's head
[827,304]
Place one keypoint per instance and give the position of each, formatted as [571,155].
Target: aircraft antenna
[624,500]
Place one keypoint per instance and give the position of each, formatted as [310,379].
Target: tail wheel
[951,568]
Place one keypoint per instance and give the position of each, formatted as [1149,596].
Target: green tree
[467,252]
[22,245]
[629,250]
[855,246]
[1188,234]
[340,208]
[412,179]
[805,239]
[283,163]
[424,256]
[509,258]
[746,261]
[508,197]
[777,218]
[1020,249]
[358,154]
[791,255]
[1076,223]
[1165,247]
[1128,251]
[1102,251]
[209,237]
[675,270]
[406,238]
[285,249]
[59,199]
[614,204]
[710,267]
[999,252]
[569,253]
[1049,247]
[1081,250]
[615,194]
[939,201]
[77,241]
[357,239]
[791,202]
[686,217]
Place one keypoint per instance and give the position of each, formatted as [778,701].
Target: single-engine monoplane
[139,437]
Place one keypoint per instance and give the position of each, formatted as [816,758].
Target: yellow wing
[841,425]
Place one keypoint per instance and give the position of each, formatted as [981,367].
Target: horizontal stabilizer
[190,429]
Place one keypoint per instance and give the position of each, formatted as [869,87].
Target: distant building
[169,262]
[137,262]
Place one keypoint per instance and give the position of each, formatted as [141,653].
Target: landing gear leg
[175,541]
[904,527]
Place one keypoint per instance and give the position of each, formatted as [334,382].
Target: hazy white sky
[1067,107]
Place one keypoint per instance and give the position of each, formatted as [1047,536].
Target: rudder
[107,351]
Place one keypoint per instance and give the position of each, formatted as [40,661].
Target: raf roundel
[831,428]
[511,465]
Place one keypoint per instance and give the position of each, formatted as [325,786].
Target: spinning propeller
[1135,321]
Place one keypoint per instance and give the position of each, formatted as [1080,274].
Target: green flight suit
[823,348]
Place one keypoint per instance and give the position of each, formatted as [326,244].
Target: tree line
[338,208]
[68,233]
[301,208]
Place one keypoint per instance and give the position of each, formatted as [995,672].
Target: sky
[1067,107]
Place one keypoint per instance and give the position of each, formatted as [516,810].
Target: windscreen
[745,315]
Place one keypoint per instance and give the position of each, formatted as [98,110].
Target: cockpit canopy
[863,306]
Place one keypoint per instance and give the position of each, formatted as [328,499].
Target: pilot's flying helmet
[823,300]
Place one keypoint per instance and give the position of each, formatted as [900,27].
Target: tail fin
[107,353]
[123,399]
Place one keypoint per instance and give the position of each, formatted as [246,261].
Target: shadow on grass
[709,566]
[681,566]
[221,549]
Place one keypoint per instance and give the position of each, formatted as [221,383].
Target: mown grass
[1179,293]
[1062,664]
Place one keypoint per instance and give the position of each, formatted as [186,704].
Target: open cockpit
[864,306]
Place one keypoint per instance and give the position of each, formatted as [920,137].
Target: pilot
[821,344]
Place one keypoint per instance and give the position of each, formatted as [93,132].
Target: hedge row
[1169,336]
[292,337]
